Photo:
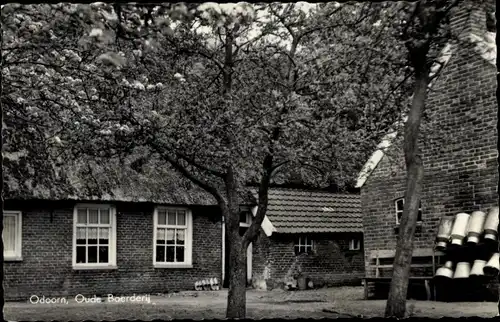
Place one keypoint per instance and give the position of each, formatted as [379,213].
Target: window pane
[93,216]
[103,254]
[243,216]
[181,218]
[419,218]
[160,253]
[399,216]
[181,233]
[80,254]
[9,233]
[171,218]
[104,217]
[400,205]
[170,254]
[81,235]
[160,236]
[92,254]
[92,235]
[82,216]
[179,254]
[170,236]
[162,217]
[103,236]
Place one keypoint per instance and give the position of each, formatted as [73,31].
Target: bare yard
[327,303]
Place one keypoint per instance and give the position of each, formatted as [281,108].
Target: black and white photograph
[249,160]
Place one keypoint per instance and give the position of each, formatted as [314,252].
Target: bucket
[491,224]
[459,228]
[444,232]
[462,270]
[476,226]
[492,266]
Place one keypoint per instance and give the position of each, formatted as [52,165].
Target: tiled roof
[304,211]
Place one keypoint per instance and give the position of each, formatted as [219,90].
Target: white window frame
[16,255]
[188,242]
[112,238]
[248,220]
[306,242]
[354,244]
[401,211]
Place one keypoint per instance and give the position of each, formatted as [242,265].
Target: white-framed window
[399,205]
[354,244]
[12,235]
[304,244]
[173,237]
[94,236]
[245,221]
[245,218]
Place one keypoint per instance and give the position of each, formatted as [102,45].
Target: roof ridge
[315,191]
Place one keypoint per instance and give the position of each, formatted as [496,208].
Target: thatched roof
[90,180]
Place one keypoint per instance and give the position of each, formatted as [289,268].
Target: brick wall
[46,268]
[459,154]
[331,264]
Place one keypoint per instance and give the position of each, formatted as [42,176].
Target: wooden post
[427,290]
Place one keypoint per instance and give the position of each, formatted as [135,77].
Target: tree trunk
[396,303]
[236,298]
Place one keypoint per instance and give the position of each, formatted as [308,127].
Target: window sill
[94,267]
[12,258]
[156,265]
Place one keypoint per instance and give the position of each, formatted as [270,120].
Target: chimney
[470,17]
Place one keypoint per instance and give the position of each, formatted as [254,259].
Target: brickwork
[46,268]
[331,263]
[460,158]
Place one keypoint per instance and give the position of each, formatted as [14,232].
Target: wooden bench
[377,255]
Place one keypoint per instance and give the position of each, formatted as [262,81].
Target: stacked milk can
[470,242]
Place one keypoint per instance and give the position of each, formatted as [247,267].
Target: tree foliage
[224,95]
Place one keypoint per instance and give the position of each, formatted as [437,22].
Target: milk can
[477,267]
[492,266]
[491,224]
[444,232]
[446,270]
[459,228]
[462,270]
[476,226]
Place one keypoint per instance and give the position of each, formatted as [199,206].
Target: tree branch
[180,168]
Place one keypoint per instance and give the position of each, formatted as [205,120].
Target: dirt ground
[322,303]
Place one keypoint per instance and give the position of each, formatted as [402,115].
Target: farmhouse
[89,247]
[458,148]
[145,239]
[314,234]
